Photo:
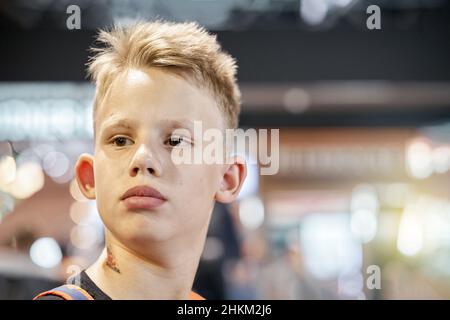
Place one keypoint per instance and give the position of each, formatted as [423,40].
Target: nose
[144,162]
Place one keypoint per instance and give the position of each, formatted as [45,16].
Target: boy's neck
[125,274]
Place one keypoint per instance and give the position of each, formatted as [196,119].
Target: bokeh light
[46,253]
[251,212]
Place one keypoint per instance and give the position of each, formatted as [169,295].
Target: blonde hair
[180,47]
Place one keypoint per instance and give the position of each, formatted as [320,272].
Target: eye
[175,141]
[122,141]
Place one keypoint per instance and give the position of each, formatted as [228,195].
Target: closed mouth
[142,198]
[143,191]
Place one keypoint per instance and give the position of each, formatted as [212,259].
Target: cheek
[198,184]
[109,166]
[107,172]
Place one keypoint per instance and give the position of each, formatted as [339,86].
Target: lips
[142,198]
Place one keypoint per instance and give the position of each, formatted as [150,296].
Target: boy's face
[134,139]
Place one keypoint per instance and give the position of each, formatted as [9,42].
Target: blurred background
[360,207]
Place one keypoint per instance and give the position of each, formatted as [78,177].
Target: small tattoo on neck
[111,261]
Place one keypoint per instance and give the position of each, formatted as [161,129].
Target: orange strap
[195,296]
[72,292]
[67,292]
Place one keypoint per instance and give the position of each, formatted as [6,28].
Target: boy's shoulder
[85,289]
[65,292]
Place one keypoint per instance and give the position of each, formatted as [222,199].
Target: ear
[232,180]
[84,171]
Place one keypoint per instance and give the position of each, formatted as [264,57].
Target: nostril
[136,170]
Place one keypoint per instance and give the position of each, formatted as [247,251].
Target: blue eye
[122,141]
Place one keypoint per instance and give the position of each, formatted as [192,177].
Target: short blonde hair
[180,47]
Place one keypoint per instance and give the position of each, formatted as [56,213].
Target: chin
[143,230]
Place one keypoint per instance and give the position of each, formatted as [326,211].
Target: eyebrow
[129,124]
[121,123]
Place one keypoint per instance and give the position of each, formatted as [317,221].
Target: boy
[153,80]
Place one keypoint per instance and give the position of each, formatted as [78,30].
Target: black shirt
[87,284]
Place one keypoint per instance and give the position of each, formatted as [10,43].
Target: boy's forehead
[156,78]
[136,76]
[138,95]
